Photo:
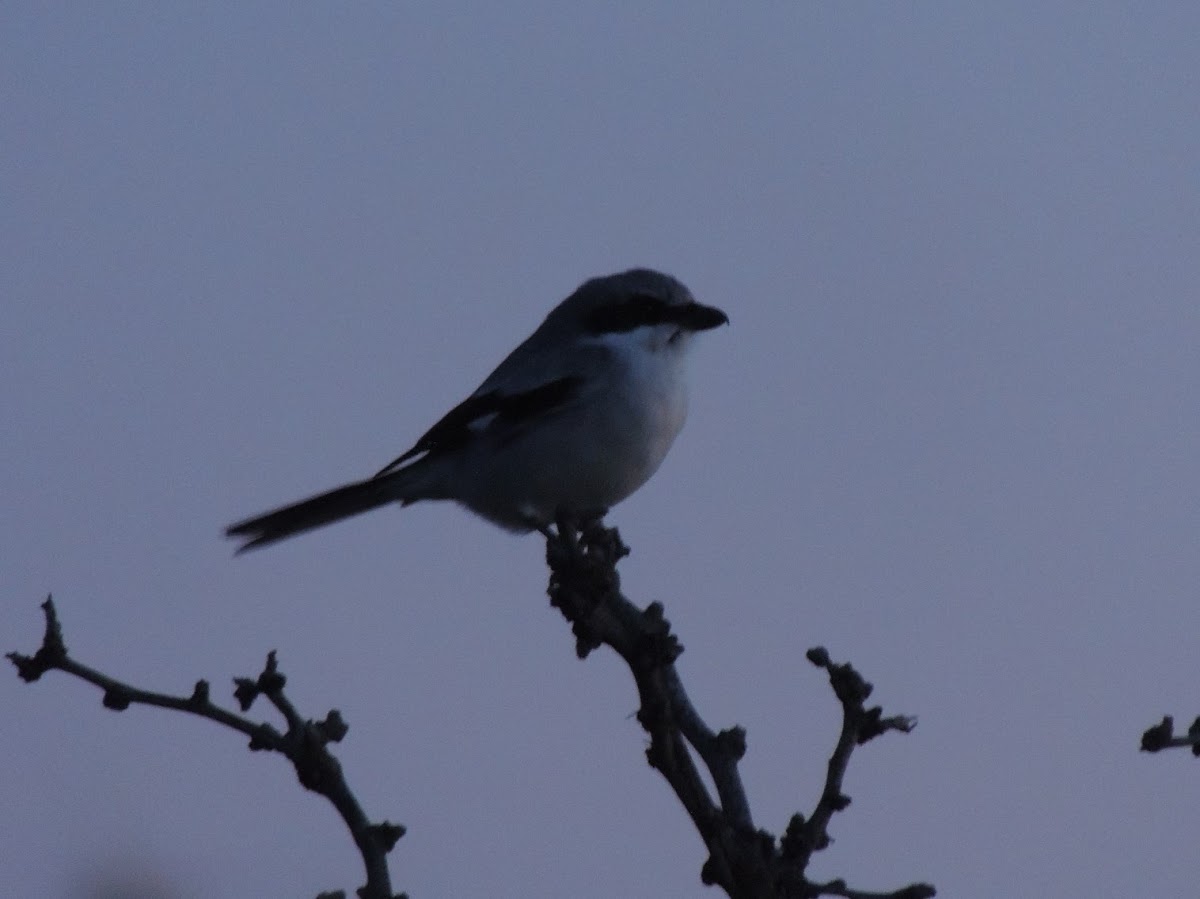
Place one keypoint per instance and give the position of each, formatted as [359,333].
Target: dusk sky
[251,251]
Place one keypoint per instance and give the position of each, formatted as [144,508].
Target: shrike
[573,421]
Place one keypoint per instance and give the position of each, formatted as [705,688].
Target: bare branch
[746,862]
[1162,736]
[304,742]
[859,724]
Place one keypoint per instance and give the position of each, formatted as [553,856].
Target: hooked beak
[696,317]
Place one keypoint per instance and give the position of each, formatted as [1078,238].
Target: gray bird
[573,421]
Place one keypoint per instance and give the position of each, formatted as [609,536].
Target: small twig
[859,724]
[304,743]
[1162,736]
[839,888]
[747,863]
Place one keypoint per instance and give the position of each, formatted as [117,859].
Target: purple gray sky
[247,253]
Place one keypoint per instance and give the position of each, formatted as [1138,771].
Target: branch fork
[304,743]
[746,862]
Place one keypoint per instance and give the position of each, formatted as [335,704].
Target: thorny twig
[304,742]
[746,862]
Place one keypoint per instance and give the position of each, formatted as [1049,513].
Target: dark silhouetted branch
[1162,736]
[746,862]
[304,742]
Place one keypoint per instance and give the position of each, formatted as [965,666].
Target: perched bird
[573,421]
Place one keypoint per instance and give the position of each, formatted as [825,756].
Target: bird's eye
[645,309]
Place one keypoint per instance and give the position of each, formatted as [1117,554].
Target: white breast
[600,450]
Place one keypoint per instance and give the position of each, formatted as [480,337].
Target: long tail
[322,509]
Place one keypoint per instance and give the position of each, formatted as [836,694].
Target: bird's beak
[696,317]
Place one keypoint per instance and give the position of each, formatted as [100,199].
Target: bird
[573,421]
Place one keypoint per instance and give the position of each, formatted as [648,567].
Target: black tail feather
[314,512]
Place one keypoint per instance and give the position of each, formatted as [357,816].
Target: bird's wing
[537,378]
[477,412]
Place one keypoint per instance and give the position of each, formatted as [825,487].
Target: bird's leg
[592,519]
[568,530]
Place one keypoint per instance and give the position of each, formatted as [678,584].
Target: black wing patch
[461,423]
